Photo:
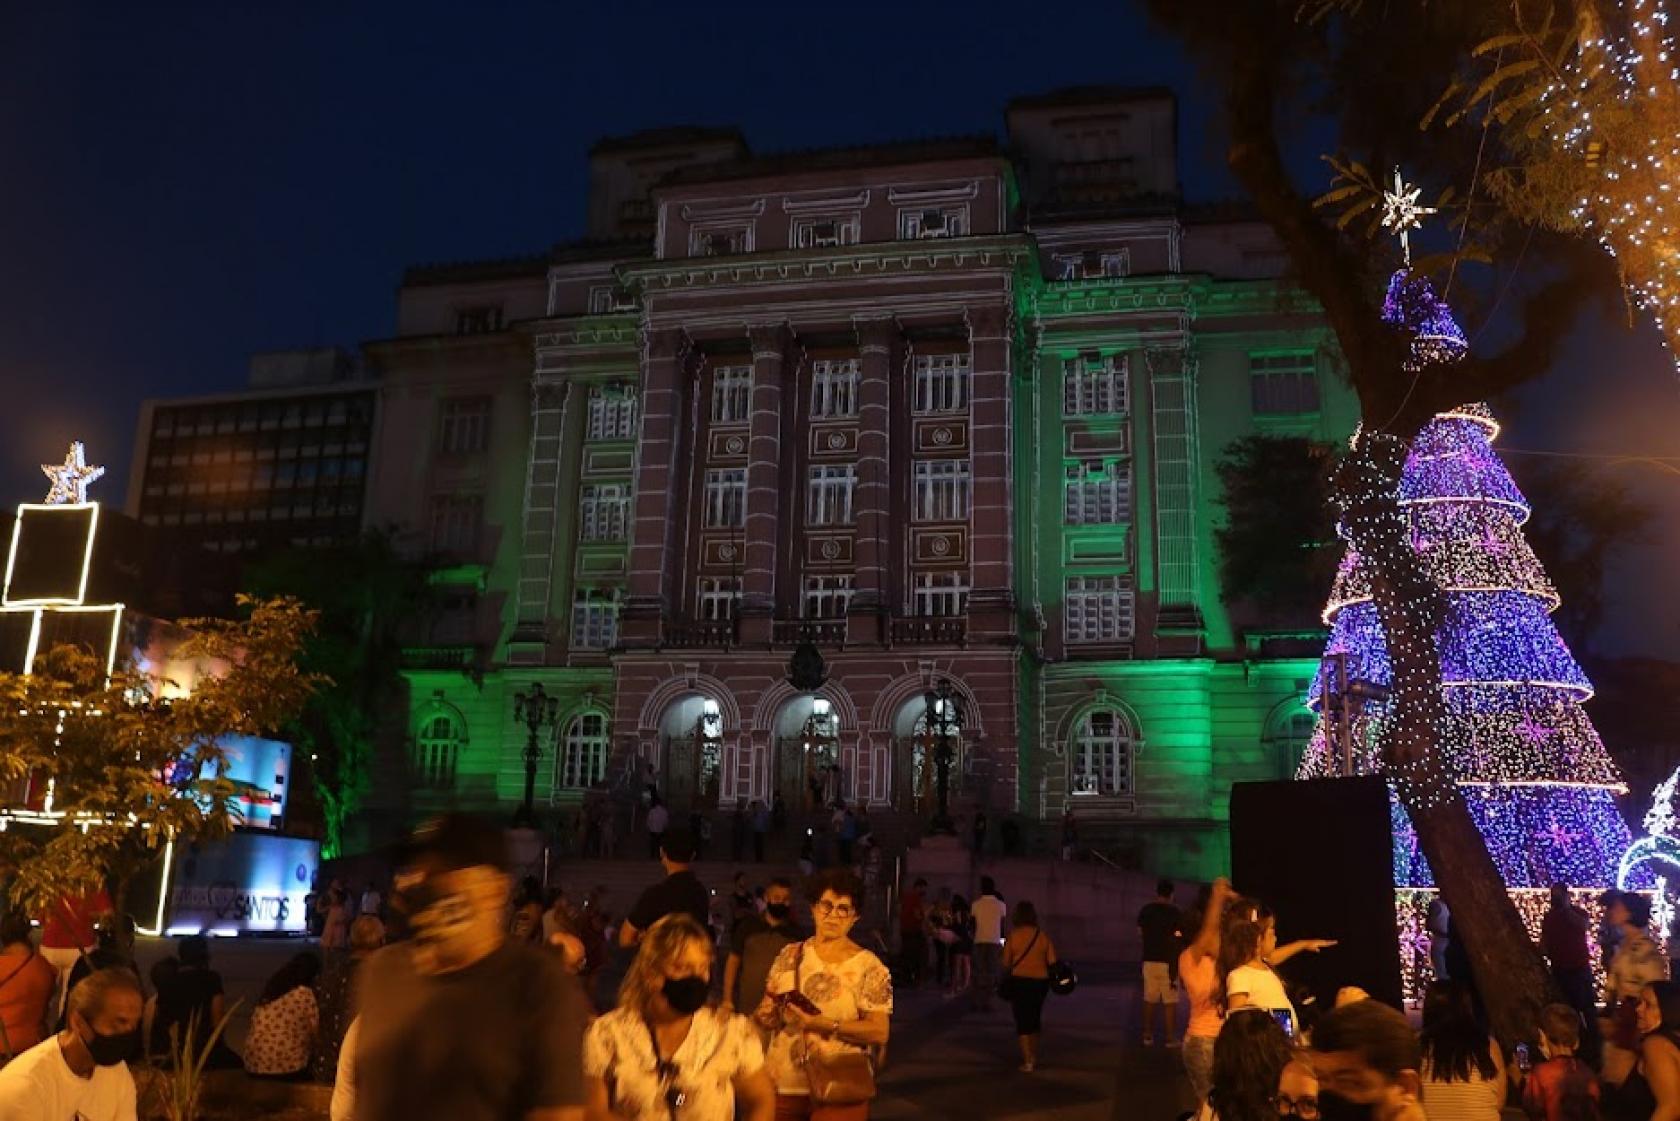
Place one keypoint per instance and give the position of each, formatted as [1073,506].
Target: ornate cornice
[861,262]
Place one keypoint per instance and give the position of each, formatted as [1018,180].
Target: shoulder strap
[1031,942]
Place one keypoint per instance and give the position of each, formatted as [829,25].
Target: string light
[70,479]
[1411,914]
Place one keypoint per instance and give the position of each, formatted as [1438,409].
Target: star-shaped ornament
[70,479]
[1401,212]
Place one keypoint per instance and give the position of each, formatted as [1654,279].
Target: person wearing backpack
[1562,1087]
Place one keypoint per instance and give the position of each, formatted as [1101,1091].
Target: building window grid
[941,383]
[942,490]
[834,385]
[1098,492]
[1096,385]
[584,750]
[1098,609]
[716,598]
[1283,384]
[594,618]
[612,415]
[464,426]
[1101,755]
[827,597]
[454,522]
[829,495]
[604,511]
[726,497]
[437,750]
[941,594]
[732,395]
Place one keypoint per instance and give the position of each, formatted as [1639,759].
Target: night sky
[180,189]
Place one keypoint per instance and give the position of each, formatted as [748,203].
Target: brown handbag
[839,1077]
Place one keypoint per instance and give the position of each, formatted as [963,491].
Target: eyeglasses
[823,908]
[675,1096]
[1304,1108]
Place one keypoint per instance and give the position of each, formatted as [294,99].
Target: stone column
[876,539]
[991,603]
[770,344]
[656,530]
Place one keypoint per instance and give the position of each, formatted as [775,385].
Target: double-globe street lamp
[536,710]
[942,719]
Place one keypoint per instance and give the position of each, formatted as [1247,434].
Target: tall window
[941,490]
[716,597]
[604,511]
[1094,385]
[584,751]
[829,499]
[826,597]
[612,414]
[1098,609]
[594,618]
[732,394]
[1098,492]
[941,593]
[454,522]
[834,388]
[1283,384]
[726,497]
[942,383]
[464,426]
[436,749]
[1101,758]
[478,320]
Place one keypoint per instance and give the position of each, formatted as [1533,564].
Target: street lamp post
[536,710]
[942,717]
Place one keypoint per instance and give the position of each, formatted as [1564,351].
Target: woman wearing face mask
[828,1002]
[1651,1091]
[662,1054]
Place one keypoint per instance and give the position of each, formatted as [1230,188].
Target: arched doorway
[807,768]
[691,745]
[916,735]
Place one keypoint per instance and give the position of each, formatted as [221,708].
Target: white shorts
[1158,983]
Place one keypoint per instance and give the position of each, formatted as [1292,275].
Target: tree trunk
[1509,971]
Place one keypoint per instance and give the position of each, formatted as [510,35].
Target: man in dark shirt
[1563,939]
[459,1022]
[1158,923]
[754,945]
[680,892]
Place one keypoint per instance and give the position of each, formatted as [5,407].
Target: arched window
[1100,757]
[584,750]
[1288,734]
[436,749]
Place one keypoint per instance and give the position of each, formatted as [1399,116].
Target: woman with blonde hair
[662,1053]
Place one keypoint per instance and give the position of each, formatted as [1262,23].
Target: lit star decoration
[1511,736]
[1402,214]
[70,479]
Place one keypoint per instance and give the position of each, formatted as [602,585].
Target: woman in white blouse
[662,1053]
[1248,950]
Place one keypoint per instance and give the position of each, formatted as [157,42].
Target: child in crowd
[1561,1088]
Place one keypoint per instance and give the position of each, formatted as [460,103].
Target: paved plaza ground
[947,1061]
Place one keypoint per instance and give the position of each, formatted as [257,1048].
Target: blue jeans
[1198,1064]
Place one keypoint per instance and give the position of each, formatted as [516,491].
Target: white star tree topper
[70,479]
[1401,212]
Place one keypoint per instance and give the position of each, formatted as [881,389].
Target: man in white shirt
[658,820]
[81,1072]
[989,912]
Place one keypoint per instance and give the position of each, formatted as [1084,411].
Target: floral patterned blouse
[845,991]
[719,1047]
[282,1033]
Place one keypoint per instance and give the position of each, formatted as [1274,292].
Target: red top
[912,912]
[27,983]
[69,925]
[1563,938]
[1549,1087]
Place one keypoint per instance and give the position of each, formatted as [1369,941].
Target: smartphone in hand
[800,1001]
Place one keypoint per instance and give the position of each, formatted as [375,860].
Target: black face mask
[1332,1107]
[778,911]
[686,995]
[109,1050]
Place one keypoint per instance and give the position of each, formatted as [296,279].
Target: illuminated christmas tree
[1538,780]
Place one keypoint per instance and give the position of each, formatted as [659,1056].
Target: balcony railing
[699,633]
[946,630]
[439,657]
[822,632]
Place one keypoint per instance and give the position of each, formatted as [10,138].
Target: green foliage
[1278,545]
[183,1082]
[133,767]
[365,594]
